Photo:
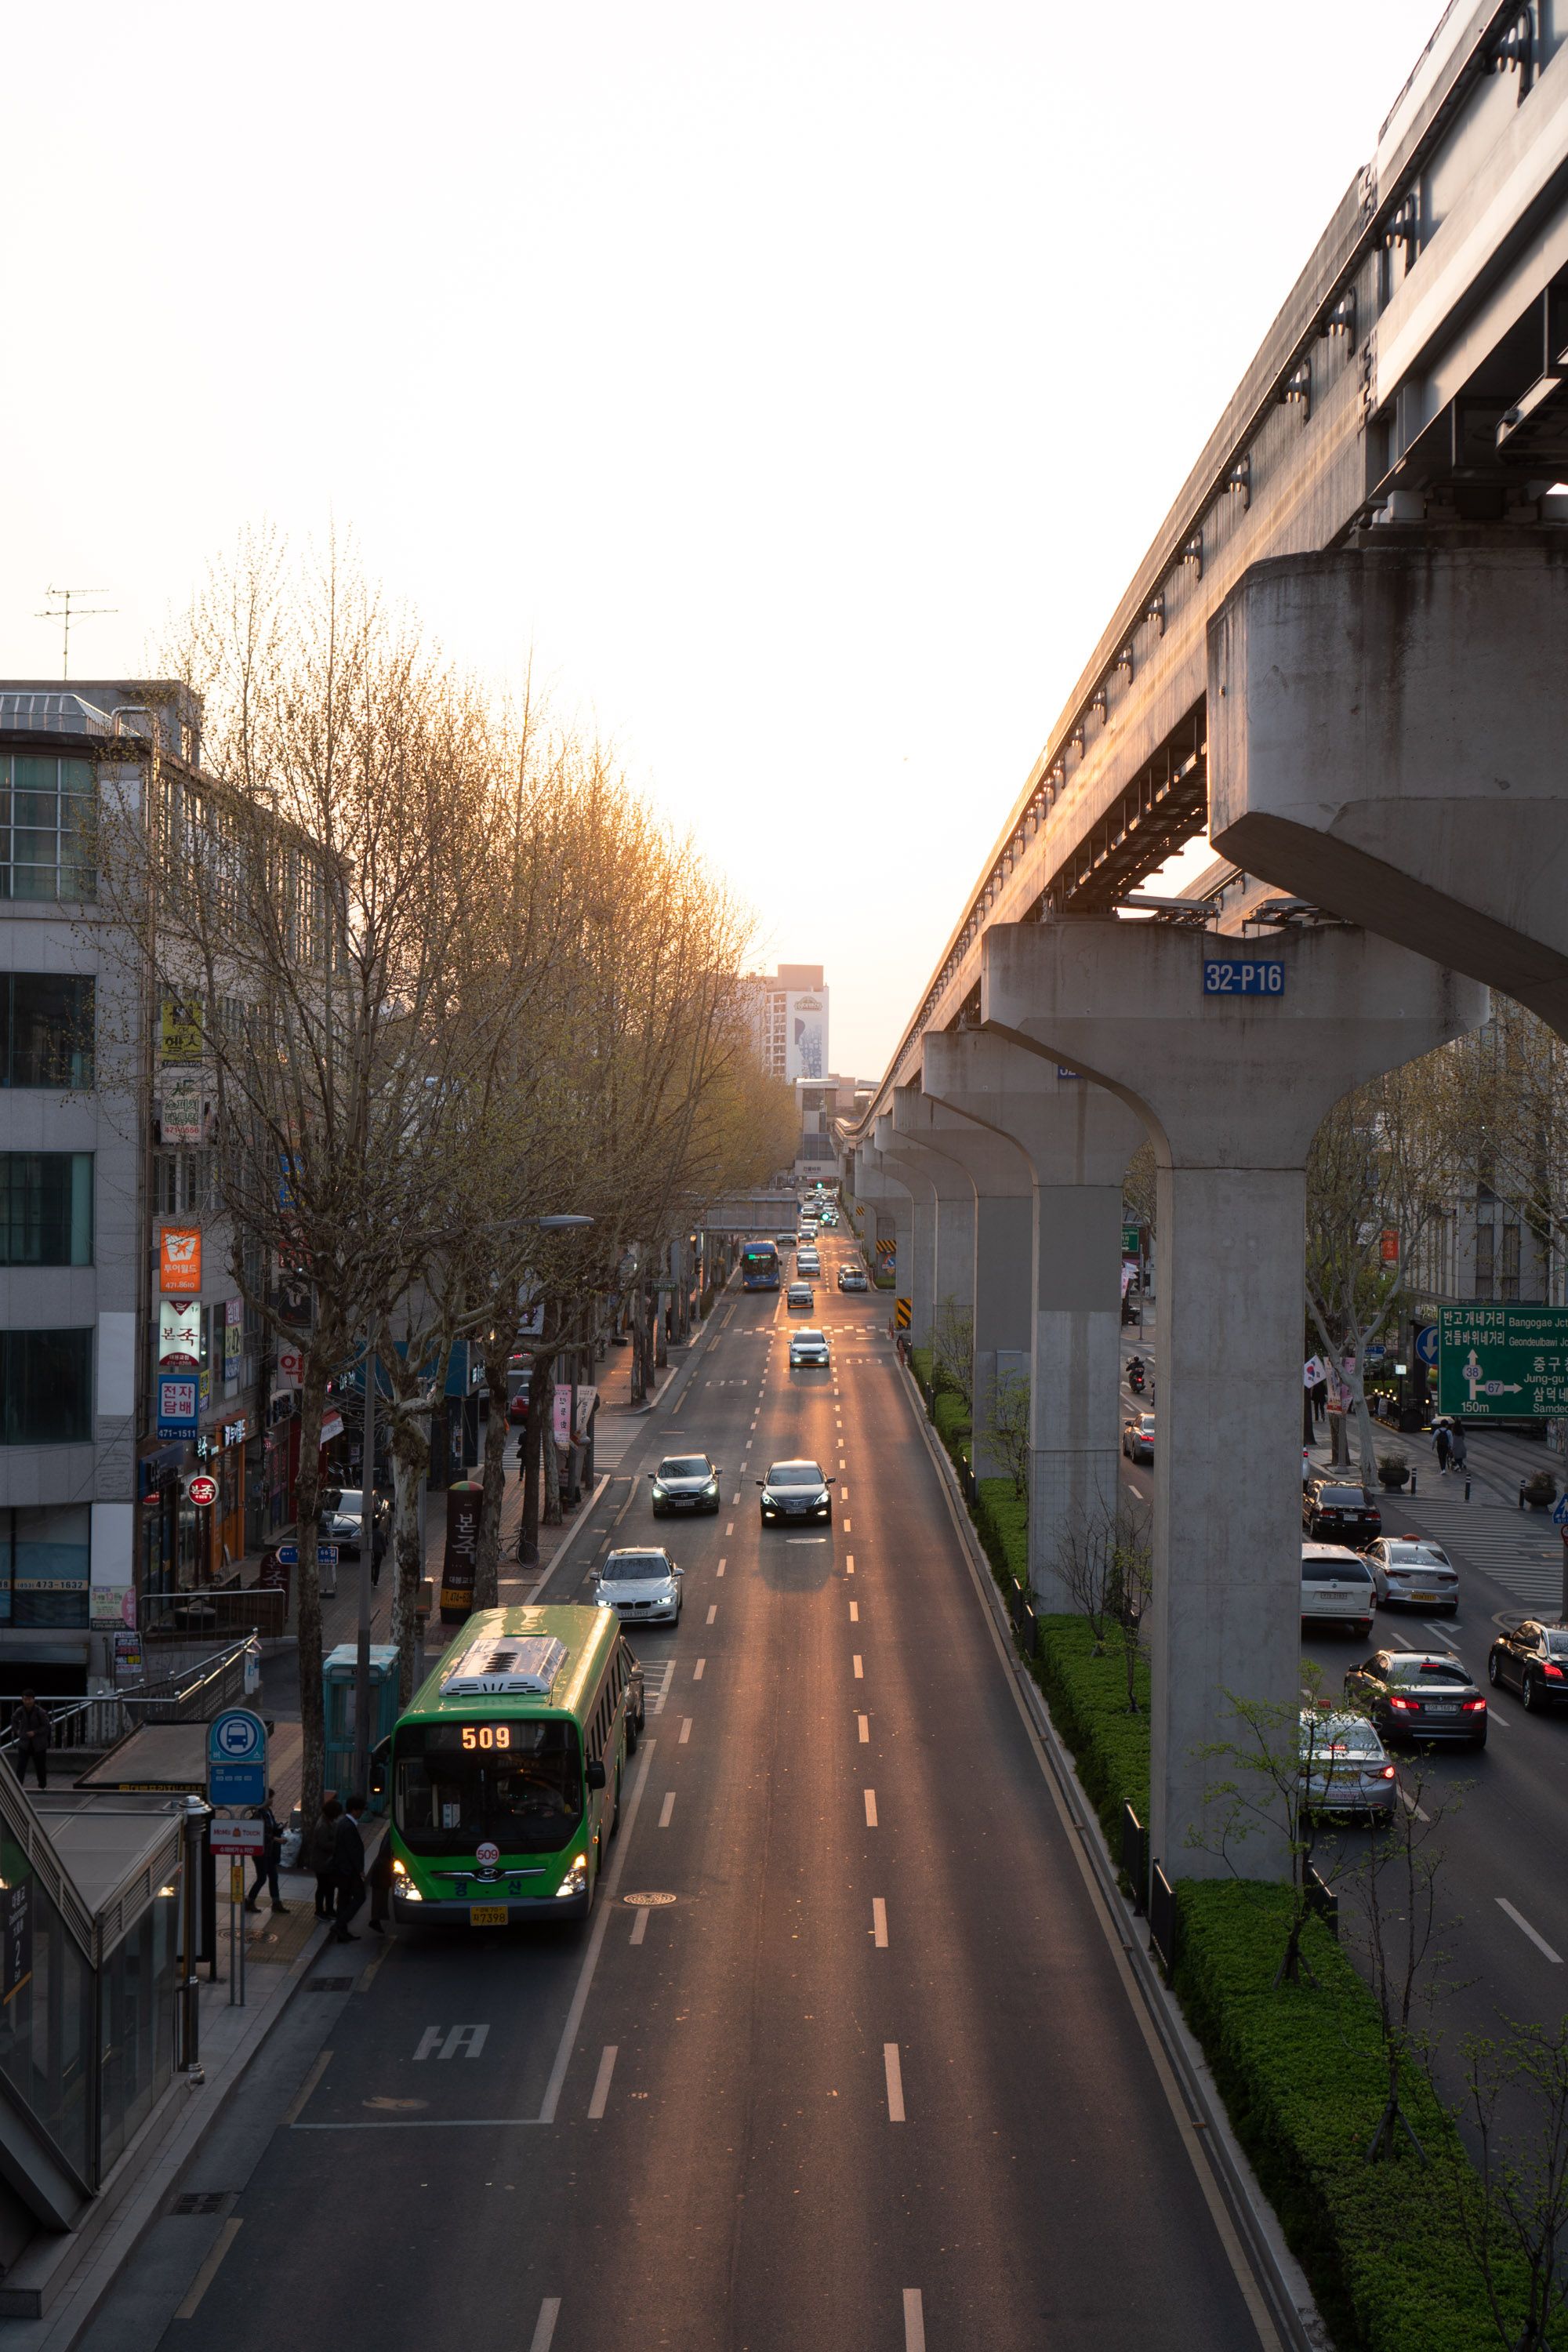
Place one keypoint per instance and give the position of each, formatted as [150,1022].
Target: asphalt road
[871,2079]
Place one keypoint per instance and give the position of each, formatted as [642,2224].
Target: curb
[1284,2283]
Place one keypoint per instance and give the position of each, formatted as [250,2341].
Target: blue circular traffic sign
[1426,1343]
[236,1737]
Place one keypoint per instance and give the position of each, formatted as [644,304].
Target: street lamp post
[532,1426]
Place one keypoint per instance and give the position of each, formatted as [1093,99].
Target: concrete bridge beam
[1232,1089]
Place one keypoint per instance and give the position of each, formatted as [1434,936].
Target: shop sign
[205,1386]
[179,1335]
[181,1036]
[180,1114]
[290,1368]
[179,1258]
[232,1336]
[235,1432]
[332,1426]
[201,1490]
[128,1656]
[177,1407]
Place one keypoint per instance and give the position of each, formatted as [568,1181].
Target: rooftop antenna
[64,614]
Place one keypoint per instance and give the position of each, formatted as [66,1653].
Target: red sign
[201,1490]
[1388,1242]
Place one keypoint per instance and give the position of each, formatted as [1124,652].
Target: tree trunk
[550,1452]
[308,1603]
[641,1373]
[410,1445]
[532,1431]
[486,1558]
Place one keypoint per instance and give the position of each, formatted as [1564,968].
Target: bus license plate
[486,1914]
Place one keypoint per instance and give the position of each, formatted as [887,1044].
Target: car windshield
[1416,1669]
[1338,1568]
[794,1474]
[523,1790]
[633,1567]
[684,1466]
[1340,1496]
[807,1337]
[1423,1555]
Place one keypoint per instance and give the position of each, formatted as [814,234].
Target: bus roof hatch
[524,1666]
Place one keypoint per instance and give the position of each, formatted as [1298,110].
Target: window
[46,1208]
[44,1572]
[1486,1240]
[45,1029]
[46,1388]
[46,806]
[1508,1280]
[182,1184]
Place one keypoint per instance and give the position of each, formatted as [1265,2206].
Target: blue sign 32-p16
[1242,976]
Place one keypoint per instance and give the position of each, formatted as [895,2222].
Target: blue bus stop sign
[1560,1512]
[1426,1343]
[237,1758]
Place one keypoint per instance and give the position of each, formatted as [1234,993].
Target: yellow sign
[181,1034]
[903,1313]
[236,1882]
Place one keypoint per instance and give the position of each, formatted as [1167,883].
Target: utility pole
[95,612]
[366,1556]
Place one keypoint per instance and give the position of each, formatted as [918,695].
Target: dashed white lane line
[870,1796]
[859,1668]
[640,1925]
[602,2084]
[728,1530]
[880,1923]
[685,1731]
[1502,1721]
[850,1563]
[734,1500]
[914,2321]
[712,1610]
[1522,1924]
[864,1723]
[844,1497]
[854,1612]
[719,1570]
[666,1810]
[895,2075]
[696,1670]
[1410,1805]
[845,1527]
[550,2312]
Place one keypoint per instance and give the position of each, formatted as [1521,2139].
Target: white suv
[1336,1588]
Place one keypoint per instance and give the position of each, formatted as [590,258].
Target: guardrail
[220,1613]
[1135,1858]
[1162,1921]
[189,1695]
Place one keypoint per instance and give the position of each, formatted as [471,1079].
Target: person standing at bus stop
[267,1860]
[349,1868]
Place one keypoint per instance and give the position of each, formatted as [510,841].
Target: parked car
[342,1522]
[1419,1694]
[1345,1767]
[799,1294]
[1336,1588]
[685,1482]
[1532,1659]
[1138,1437]
[1333,1511]
[1411,1573]
[795,1490]
[807,1347]
[641,1583]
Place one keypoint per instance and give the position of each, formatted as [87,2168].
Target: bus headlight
[577,1878]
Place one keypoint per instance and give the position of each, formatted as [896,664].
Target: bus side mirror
[595,1774]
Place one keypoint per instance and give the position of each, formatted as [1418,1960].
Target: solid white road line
[1520,1922]
[1410,1805]
[914,2321]
[696,1670]
[602,2084]
[712,1610]
[685,1731]
[859,1669]
[870,1795]
[666,1810]
[1502,1721]
[864,1723]
[880,1923]
[595,1942]
[550,2312]
[208,2270]
[894,2072]
[640,1925]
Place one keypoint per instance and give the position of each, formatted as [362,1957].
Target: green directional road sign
[1129,1241]
[1505,1363]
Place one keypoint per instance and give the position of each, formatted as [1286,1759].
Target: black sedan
[795,1490]
[1333,1511]
[685,1482]
[850,1278]
[1419,1694]
[1532,1659]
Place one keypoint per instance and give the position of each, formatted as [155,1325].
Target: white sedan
[1412,1573]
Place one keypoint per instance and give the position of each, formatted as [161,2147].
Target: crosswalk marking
[1511,1547]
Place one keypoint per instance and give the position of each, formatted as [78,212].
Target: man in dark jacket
[30,1730]
[348,1861]
[267,1860]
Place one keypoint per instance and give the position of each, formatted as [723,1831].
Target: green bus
[505,1774]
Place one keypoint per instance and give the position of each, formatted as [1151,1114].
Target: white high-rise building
[788,1012]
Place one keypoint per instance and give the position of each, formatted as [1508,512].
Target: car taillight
[1387,1773]
[1475,1706]
[1553,1673]
[1404,1706]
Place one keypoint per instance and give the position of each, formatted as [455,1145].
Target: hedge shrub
[1001,1516]
[1088,1699]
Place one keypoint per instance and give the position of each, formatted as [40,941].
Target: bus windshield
[759,1266]
[518,1783]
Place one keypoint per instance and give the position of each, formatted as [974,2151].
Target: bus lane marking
[595,1941]
[602,2084]
[864,1723]
[550,2312]
[870,1795]
[895,2075]
[859,1669]
[447,2042]
[914,2321]
[667,1809]
[685,1731]
[880,1923]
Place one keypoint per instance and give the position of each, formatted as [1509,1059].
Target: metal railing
[1135,1857]
[1162,1921]
[190,1695]
[220,1613]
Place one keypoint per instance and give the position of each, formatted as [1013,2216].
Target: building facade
[787,1010]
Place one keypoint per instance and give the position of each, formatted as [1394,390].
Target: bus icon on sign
[236,1737]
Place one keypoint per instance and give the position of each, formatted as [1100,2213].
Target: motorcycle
[1136,1376]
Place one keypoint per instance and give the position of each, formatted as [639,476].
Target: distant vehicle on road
[1532,1659]
[1334,1512]
[852,1277]
[800,1293]
[640,1583]
[759,1266]
[1138,1437]
[806,1260]
[795,1490]
[1411,1573]
[685,1482]
[1419,1694]
[1336,1587]
[505,1772]
[807,1347]
[784,1242]
[1345,1767]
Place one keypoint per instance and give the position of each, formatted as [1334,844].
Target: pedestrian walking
[380,1875]
[322,1856]
[1457,1451]
[348,1868]
[30,1730]
[1442,1445]
[267,1860]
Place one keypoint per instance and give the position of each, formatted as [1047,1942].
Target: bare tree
[1281,1755]
[1007,1428]
[1396,1890]
[953,1350]
[1104,1561]
[1514,2227]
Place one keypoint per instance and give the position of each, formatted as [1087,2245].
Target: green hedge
[950,1417]
[1088,1699]
[1001,1516]
[1302,2076]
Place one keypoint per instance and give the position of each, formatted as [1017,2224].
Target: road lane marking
[914,2321]
[696,1670]
[595,1944]
[602,2084]
[300,2099]
[728,1530]
[864,1723]
[443,2041]
[685,1731]
[208,2270]
[722,1565]
[1502,1721]
[1522,1923]
[850,1563]
[854,1612]
[1410,1805]
[859,1669]
[667,1809]
[734,1498]
[712,1610]
[880,1923]
[640,1925]
[845,1527]
[844,1496]
[550,2312]
[895,2075]
[870,1796]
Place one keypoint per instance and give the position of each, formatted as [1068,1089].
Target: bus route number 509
[1244,976]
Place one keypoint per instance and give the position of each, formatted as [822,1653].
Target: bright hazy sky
[804,383]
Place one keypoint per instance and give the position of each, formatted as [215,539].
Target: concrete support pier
[917,1275]
[887,1204]
[1232,1088]
[1076,1141]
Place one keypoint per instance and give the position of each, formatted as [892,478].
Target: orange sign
[1389,1244]
[179,1258]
